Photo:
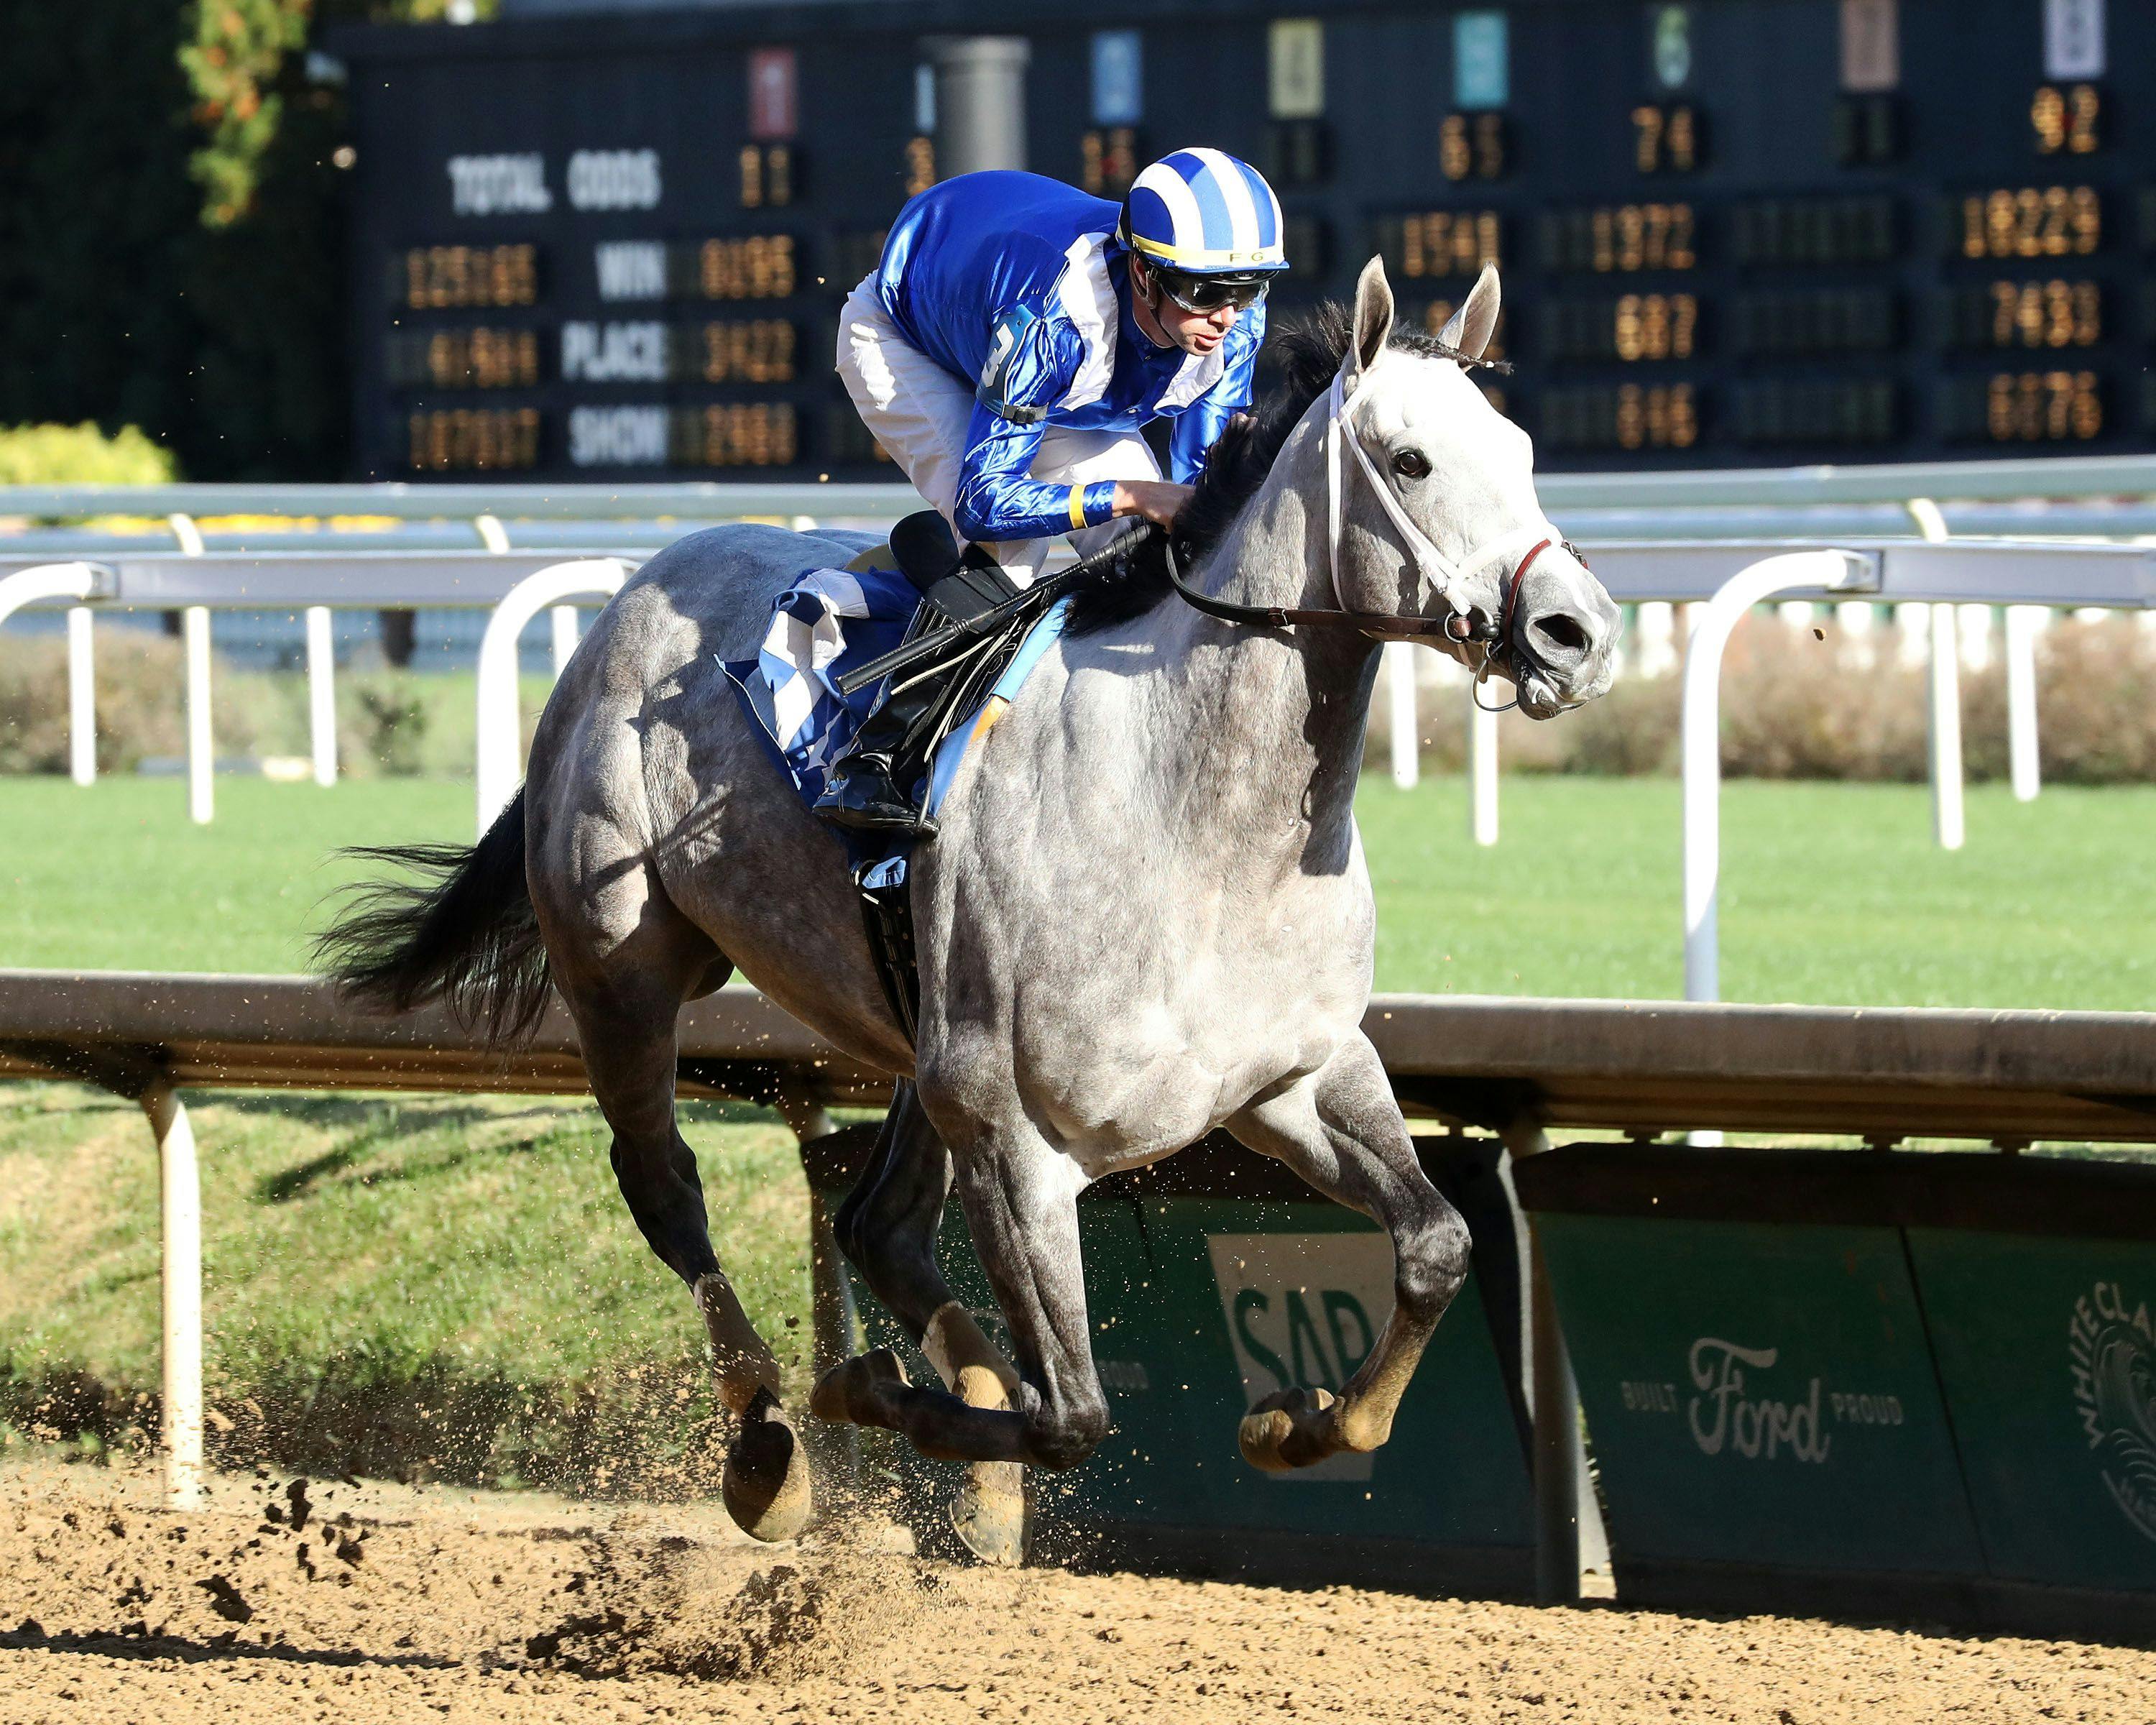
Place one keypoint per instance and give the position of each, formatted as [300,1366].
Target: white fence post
[1401,687]
[1856,619]
[1482,766]
[202,761]
[501,729]
[1947,827]
[2024,623]
[194,628]
[321,693]
[564,621]
[67,581]
[181,1187]
[1702,740]
[82,698]
[1656,633]
[1912,623]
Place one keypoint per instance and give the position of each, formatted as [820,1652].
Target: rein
[1460,623]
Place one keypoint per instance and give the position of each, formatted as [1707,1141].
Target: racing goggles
[1207,294]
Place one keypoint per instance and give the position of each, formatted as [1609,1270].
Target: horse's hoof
[847,1393]
[1286,1429]
[989,1512]
[766,1483]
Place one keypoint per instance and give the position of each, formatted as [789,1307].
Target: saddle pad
[827,622]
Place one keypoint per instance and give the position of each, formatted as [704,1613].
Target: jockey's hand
[1157,500]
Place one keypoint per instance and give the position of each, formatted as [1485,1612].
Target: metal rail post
[833,1321]
[1656,633]
[2024,623]
[1831,570]
[67,581]
[500,731]
[1948,827]
[563,620]
[321,693]
[202,759]
[194,623]
[1482,766]
[1856,620]
[1401,687]
[1568,1519]
[82,698]
[181,1188]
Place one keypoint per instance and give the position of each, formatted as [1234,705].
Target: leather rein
[1461,623]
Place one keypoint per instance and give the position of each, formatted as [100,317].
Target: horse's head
[1417,452]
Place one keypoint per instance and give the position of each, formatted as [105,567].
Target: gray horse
[1146,916]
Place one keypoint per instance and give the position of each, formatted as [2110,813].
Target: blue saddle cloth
[827,622]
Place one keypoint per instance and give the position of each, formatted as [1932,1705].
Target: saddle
[971,621]
[973,639]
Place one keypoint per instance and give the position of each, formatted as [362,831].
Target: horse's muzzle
[1563,651]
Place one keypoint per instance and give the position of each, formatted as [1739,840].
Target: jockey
[1009,347]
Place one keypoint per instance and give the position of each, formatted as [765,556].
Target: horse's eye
[1411,464]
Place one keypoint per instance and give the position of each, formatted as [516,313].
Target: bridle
[1461,623]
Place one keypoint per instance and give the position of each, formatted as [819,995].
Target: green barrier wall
[1759,1394]
[1202,1302]
[1859,1382]
[2049,1358]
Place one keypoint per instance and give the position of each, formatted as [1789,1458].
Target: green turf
[115,876]
[444,1285]
[1832,893]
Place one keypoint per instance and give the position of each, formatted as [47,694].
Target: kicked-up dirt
[284,1601]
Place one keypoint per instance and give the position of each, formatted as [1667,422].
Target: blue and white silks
[827,623]
[1016,285]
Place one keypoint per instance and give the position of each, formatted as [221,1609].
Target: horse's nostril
[1562,631]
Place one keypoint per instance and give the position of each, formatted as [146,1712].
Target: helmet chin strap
[1446,578]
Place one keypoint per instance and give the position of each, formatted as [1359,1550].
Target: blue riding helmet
[1204,212]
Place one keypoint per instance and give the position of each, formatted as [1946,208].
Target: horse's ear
[1373,319]
[1468,329]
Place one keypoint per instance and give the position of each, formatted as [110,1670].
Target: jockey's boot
[864,788]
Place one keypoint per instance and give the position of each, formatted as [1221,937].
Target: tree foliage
[80,455]
[173,228]
[232,51]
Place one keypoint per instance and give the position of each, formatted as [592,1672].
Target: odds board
[1731,231]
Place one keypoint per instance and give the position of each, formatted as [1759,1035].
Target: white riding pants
[919,413]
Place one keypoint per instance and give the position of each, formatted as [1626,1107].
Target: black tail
[462,932]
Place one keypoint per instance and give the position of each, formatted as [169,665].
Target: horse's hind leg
[625,1019]
[1340,1130]
[888,1227]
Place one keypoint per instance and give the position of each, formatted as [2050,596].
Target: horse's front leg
[1340,1130]
[1021,1204]
[888,1228]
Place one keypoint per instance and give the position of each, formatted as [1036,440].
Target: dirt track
[373,1602]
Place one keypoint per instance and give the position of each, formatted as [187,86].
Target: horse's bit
[1461,623]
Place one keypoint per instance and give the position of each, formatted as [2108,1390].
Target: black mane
[1303,356]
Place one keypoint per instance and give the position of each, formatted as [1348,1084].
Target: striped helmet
[1205,213]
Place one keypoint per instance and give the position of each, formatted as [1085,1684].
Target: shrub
[1801,704]
[141,683]
[80,455]
[2096,706]
[1796,704]
[386,724]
